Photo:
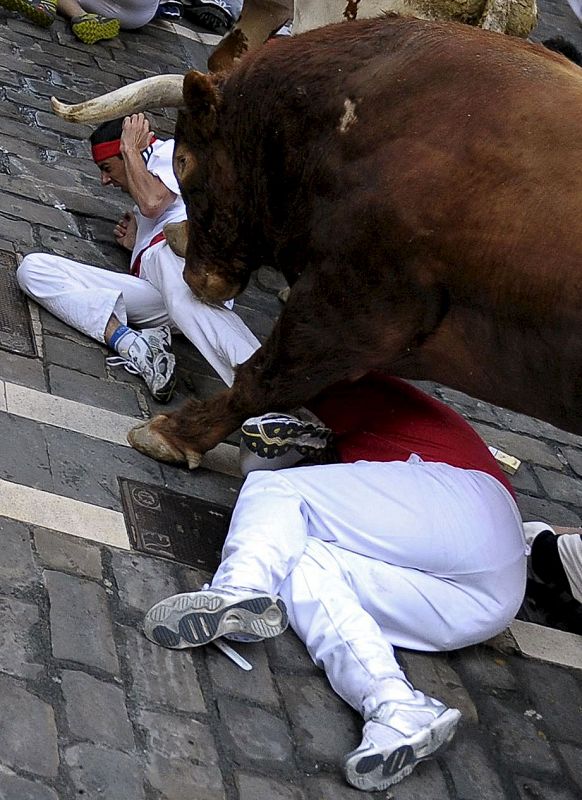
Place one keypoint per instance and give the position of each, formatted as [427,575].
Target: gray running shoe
[273,435]
[196,618]
[150,357]
[398,736]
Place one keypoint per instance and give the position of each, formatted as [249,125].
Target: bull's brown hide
[437,236]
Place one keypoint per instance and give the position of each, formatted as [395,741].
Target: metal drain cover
[176,526]
[15,327]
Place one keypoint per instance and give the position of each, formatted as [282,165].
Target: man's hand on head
[135,134]
[125,231]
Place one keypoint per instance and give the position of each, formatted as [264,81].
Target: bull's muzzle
[210,287]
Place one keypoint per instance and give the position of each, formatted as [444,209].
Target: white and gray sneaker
[398,736]
[149,356]
[196,618]
[273,435]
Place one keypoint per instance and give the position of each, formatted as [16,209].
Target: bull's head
[215,262]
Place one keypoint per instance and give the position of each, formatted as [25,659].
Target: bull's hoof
[146,438]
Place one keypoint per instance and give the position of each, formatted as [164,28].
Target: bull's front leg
[320,339]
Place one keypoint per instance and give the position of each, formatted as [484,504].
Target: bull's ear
[201,98]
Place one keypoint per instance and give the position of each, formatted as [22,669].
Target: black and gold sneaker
[41,12]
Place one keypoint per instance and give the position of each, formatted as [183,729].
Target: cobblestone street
[90,708]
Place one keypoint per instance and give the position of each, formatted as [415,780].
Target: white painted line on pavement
[91,421]
[547,644]
[188,33]
[63,514]
[68,414]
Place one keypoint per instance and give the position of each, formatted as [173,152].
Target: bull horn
[160,91]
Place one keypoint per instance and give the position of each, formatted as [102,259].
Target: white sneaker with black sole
[398,736]
[149,356]
[193,619]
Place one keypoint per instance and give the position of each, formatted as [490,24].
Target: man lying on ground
[413,541]
[101,303]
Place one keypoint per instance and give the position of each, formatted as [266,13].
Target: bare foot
[125,231]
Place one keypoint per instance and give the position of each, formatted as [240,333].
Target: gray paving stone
[80,622]
[534,508]
[162,677]
[17,567]
[23,371]
[288,653]
[482,669]
[35,213]
[251,787]
[561,488]
[524,480]
[523,447]
[473,772]
[303,695]
[256,736]
[518,423]
[96,711]
[88,469]
[519,741]
[180,755]
[574,458]
[89,360]
[97,773]
[78,248]
[16,230]
[467,406]
[86,389]
[13,787]
[26,461]
[529,789]
[335,788]
[427,781]
[29,741]
[17,622]
[573,758]
[54,123]
[143,581]
[256,685]
[212,486]
[52,325]
[68,554]
[433,675]
[557,696]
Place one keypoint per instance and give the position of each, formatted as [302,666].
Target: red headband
[105,150]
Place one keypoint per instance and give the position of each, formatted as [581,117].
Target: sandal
[91,28]
[41,12]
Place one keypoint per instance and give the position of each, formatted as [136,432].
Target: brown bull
[420,185]
[260,18]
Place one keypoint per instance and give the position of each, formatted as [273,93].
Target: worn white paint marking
[91,421]
[182,30]
[547,644]
[68,414]
[63,514]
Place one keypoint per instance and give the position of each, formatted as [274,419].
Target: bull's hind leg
[311,347]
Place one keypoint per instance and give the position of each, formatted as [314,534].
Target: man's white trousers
[368,556]
[85,297]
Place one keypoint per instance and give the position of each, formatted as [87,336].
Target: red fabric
[380,418]
[105,150]
[136,265]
